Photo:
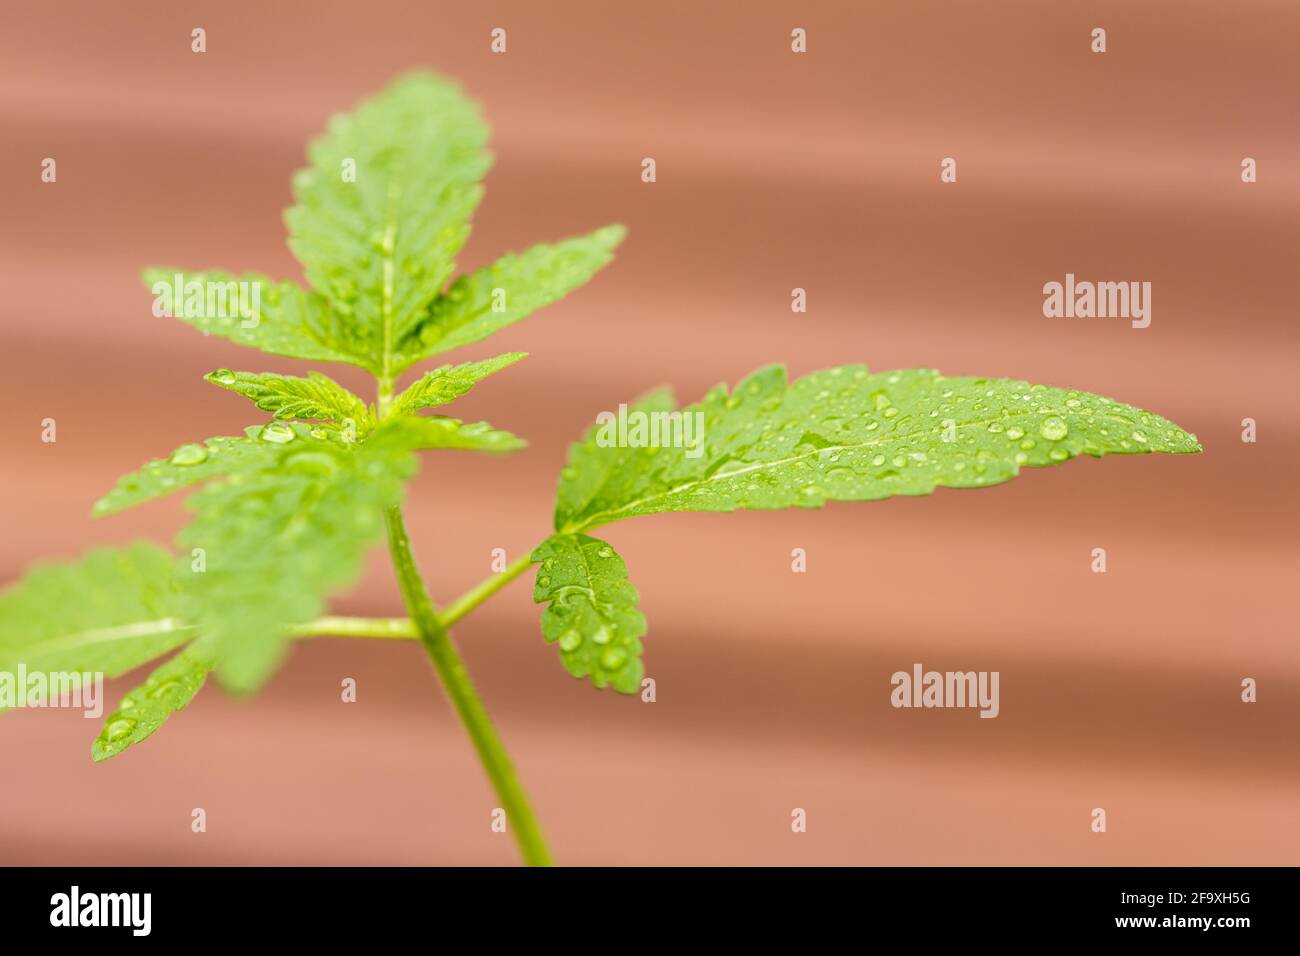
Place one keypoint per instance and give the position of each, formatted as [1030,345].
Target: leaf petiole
[403,628]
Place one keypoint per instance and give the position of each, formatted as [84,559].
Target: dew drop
[878,460]
[606,552]
[1059,454]
[1054,428]
[119,729]
[1015,433]
[189,455]
[570,641]
[162,689]
[277,432]
[613,658]
[601,636]
[223,376]
[1138,436]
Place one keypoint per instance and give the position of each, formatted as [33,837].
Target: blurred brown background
[774,171]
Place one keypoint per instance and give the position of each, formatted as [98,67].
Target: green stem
[392,628]
[451,671]
[403,628]
[385,395]
[483,590]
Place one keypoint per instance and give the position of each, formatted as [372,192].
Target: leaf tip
[101,749]
[612,235]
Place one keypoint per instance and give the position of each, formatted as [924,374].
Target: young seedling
[287,509]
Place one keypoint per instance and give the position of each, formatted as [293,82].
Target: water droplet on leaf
[1054,428]
[119,729]
[277,432]
[189,455]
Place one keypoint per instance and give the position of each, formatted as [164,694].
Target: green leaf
[449,382]
[513,287]
[281,318]
[276,540]
[144,709]
[383,209]
[593,613]
[412,433]
[315,397]
[109,612]
[843,434]
[593,467]
[186,466]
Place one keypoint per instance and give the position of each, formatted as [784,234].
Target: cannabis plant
[287,509]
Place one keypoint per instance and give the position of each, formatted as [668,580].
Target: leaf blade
[109,611]
[381,243]
[449,382]
[190,464]
[278,539]
[167,690]
[843,434]
[314,398]
[592,613]
[418,433]
[286,320]
[468,312]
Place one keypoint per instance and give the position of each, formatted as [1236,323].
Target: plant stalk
[469,707]
[403,628]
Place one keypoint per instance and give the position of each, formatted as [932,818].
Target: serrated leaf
[144,709]
[512,288]
[844,434]
[384,207]
[592,467]
[188,465]
[278,539]
[592,614]
[316,397]
[109,612]
[449,382]
[286,319]
[413,433]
